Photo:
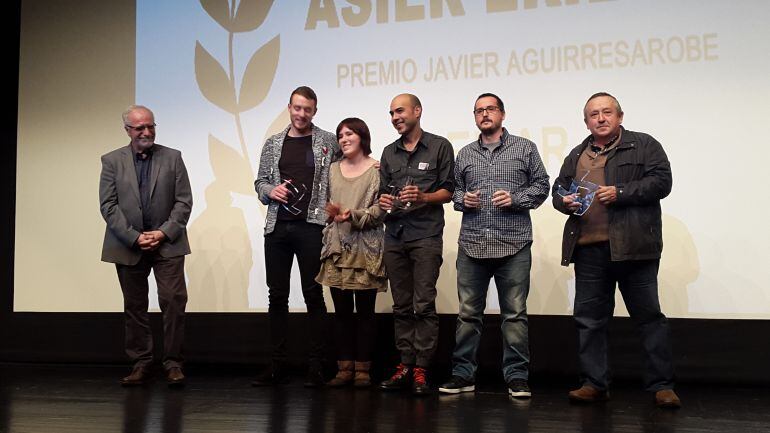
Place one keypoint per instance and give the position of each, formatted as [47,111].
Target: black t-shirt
[297,164]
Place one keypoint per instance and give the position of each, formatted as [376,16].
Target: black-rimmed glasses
[491,110]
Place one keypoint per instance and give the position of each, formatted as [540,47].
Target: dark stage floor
[88,399]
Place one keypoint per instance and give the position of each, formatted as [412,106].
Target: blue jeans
[511,275]
[595,279]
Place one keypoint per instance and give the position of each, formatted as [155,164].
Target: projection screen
[218,75]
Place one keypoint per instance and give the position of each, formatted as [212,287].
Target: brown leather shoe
[588,394]
[667,399]
[138,376]
[175,377]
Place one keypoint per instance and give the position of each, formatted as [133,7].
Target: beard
[144,143]
[489,127]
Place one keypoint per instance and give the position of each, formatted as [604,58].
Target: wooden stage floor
[83,399]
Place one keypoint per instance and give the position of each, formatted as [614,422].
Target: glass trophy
[583,192]
[395,192]
[296,194]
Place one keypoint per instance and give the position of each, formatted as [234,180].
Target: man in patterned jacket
[498,179]
[293,182]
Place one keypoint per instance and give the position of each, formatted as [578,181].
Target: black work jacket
[638,167]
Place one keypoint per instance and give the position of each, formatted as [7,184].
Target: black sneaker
[519,388]
[420,382]
[401,379]
[271,376]
[457,385]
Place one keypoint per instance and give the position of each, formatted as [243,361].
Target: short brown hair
[306,92]
[491,95]
[359,127]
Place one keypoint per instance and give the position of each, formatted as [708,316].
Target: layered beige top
[351,257]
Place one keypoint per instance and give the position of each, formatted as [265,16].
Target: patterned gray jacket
[325,151]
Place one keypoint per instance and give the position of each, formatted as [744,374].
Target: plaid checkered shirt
[515,166]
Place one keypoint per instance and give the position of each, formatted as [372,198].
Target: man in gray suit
[145,198]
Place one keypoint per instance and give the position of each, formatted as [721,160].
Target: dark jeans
[413,269]
[511,274]
[637,280]
[354,335]
[172,298]
[303,239]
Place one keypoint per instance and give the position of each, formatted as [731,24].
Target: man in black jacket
[616,240]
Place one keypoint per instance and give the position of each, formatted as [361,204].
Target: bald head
[408,99]
[405,113]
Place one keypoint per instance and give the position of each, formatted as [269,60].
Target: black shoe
[400,379]
[271,376]
[457,385]
[314,377]
[519,388]
[419,382]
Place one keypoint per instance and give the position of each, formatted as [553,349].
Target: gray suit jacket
[170,204]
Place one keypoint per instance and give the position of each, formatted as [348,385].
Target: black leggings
[354,334]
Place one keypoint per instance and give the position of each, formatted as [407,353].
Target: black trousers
[413,269]
[303,240]
[354,334]
[172,298]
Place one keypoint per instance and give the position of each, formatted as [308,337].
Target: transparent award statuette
[296,194]
[499,186]
[395,192]
[408,181]
[583,192]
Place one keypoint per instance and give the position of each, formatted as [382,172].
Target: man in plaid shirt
[498,179]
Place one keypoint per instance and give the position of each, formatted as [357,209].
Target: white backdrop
[693,74]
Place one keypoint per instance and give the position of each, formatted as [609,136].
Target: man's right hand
[570,203]
[386,202]
[472,199]
[280,193]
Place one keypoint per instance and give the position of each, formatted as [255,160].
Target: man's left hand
[502,198]
[607,194]
[411,194]
[157,237]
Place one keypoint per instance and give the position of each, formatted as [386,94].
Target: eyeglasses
[141,128]
[491,110]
